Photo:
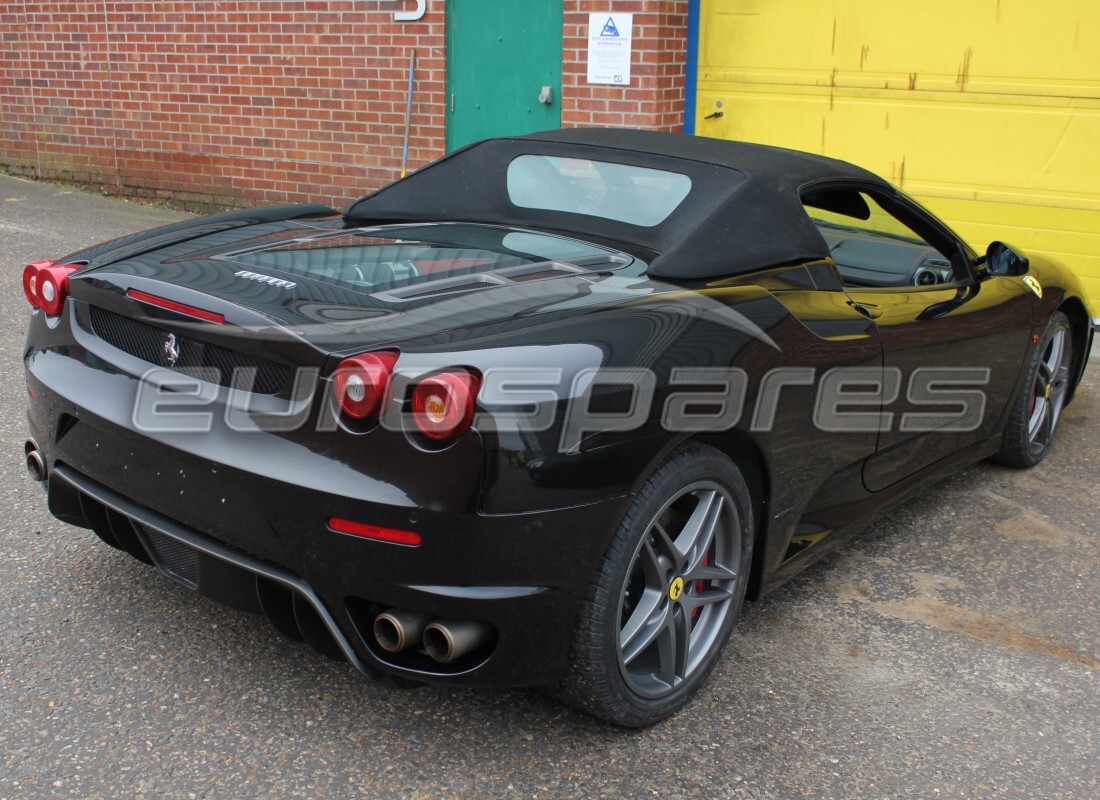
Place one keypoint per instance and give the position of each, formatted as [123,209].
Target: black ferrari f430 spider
[544,412]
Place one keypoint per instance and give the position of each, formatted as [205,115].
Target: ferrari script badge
[1033,284]
[256,276]
[171,350]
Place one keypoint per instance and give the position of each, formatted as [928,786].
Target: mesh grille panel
[174,557]
[147,342]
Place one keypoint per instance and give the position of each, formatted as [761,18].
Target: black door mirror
[1002,259]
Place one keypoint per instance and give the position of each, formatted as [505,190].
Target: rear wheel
[1038,407]
[666,593]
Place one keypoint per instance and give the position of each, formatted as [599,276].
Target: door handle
[871,312]
[546,96]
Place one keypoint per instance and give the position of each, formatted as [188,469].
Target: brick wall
[218,103]
[230,104]
[655,98]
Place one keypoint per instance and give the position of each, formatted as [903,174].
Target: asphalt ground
[952,651]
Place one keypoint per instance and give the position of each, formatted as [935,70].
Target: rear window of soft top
[381,259]
[621,192]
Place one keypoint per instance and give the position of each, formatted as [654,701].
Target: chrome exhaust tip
[396,630]
[448,639]
[36,465]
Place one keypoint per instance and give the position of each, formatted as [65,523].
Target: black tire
[1038,404]
[635,591]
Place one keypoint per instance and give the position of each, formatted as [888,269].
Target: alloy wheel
[679,589]
[1049,392]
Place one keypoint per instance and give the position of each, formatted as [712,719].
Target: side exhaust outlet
[397,630]
[36,465]
[448,639]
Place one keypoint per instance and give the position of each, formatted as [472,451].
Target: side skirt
[865,512]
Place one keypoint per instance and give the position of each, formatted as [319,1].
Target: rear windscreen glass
[622,192]
[377,259]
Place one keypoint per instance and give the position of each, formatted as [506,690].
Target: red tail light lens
[30,281]
[46,285]
[361,383]
[443,405]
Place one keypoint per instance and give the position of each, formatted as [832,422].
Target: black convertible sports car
[544,412]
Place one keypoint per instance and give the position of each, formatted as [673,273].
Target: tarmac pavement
[952,651]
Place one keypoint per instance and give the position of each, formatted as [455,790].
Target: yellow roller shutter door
[988,111]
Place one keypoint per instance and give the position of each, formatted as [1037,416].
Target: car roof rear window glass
[374,259]
[621,192]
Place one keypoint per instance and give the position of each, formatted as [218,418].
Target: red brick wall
[219,103]
[655,98]
[232,103]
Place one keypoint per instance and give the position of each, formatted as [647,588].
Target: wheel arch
[746,453]
[743,449]
[1081,330]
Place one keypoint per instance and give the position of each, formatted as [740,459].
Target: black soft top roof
[743,211]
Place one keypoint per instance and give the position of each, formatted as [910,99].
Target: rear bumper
[197,561]
[261,543]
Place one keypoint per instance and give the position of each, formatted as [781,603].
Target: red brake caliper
[699,585]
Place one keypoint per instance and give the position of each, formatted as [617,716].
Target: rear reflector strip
[172,305]
[375,532]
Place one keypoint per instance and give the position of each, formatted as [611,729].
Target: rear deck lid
[333,290]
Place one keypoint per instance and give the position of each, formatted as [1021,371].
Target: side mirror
[1002,259]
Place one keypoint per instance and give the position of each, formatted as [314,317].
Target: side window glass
[871,246]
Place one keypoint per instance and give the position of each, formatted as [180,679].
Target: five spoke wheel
[678,589]
[666,593]
[1038,405]
[1049,391]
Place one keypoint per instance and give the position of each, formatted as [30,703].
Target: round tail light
[48,285]
[443,405]
[361,383]
[30,281]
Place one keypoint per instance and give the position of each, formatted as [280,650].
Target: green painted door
[500,55]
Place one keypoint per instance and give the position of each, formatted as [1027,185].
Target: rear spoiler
[146,241]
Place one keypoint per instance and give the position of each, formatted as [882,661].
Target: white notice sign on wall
[609,37]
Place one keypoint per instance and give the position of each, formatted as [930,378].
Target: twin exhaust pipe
[443,639]
[36,465]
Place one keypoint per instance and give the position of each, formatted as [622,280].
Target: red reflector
[172,305]
[376,532]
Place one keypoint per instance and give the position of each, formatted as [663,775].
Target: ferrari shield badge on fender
[1032,283]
